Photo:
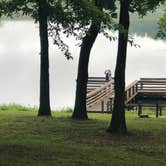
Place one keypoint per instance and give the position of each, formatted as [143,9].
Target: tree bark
[80,110]
[44,106]
[118,122]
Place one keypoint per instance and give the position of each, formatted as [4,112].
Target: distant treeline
[147,24]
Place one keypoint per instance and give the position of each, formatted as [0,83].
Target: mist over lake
[20,61]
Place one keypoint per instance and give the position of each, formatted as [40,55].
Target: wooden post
[136,88]
[157,110]
[126,95]
[141,85]
[160,111]
[133,100]
[110,105]
[139,110]
[129,93]
[102,106]
[133,90]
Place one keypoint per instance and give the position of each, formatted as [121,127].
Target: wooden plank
[151,81]
[152,78]
[96,77]
[151,91]
[93,86]
[90,89]
[152,84]
[153,87]
[97,81]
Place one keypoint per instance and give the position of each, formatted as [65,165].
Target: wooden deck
[146,92]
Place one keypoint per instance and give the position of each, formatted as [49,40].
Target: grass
[26,139]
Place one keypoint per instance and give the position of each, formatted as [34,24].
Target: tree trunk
[118,122]
[44,108]
[80,111]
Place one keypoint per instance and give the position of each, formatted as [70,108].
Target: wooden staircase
[99,90]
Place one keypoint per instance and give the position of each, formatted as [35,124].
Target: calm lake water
[19,64]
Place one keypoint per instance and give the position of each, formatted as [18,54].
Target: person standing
[108,75]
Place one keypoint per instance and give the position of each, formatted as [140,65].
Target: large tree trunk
[118,122]
[80,111]
[44,108]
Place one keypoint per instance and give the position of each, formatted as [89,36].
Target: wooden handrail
[131,91]
[98,98]
[96,78]
[131,85]
[152,79]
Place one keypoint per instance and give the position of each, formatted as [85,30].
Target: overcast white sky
[19,64]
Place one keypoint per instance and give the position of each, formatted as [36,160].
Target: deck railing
[152,85]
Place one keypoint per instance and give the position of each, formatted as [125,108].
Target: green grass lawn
[28,140]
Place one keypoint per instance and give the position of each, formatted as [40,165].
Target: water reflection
[19,64]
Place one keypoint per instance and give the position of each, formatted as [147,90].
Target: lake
[20,60]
